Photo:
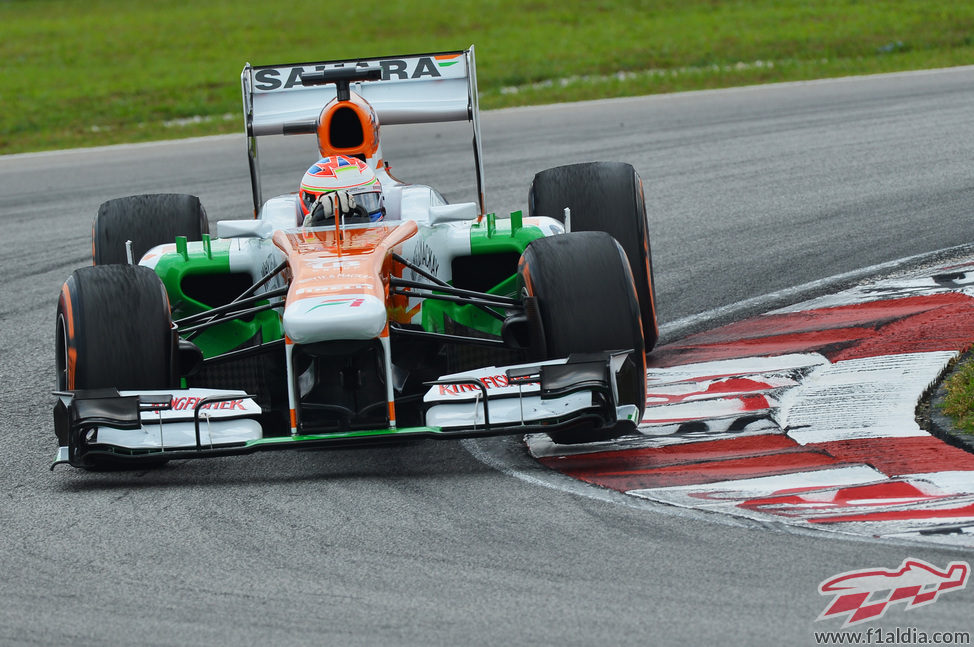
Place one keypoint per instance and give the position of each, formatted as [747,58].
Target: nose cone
[315,319]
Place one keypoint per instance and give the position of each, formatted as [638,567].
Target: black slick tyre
[587,303]
[146,220]
[604,196]
[113,329]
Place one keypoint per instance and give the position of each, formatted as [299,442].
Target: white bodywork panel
[221,423]
[328,318]
[459,405]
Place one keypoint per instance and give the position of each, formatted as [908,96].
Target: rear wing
[417,88]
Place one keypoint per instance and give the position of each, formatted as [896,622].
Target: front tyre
[113,330]
[587,303]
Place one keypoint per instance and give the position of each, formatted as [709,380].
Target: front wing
[139,426]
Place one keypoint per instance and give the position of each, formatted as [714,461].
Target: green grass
[103,71]
[959,400]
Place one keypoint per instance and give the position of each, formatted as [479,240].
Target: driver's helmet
[335,173]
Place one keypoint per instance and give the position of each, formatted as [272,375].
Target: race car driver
[342,186]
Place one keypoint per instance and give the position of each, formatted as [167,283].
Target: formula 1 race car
[412,318]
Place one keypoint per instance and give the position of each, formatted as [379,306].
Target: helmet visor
[371,201]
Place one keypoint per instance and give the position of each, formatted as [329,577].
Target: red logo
[181,404]
[489,381]
[865,595]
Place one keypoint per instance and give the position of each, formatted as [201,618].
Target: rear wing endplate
[417,88]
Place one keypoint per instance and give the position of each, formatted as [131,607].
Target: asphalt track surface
[751,191]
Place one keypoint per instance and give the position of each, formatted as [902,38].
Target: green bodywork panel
[490,236]
[364,434]
[210,258]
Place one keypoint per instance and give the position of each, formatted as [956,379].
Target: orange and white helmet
[341,173]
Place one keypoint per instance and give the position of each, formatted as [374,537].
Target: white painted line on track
[159,143]
[743,88]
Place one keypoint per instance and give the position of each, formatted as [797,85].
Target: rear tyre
[146,220]
[113,329]
[587,303]
[604,196]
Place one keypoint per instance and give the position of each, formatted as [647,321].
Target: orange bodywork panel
[349,262]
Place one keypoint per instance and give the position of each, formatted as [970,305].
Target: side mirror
[244,229]
[460,212]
